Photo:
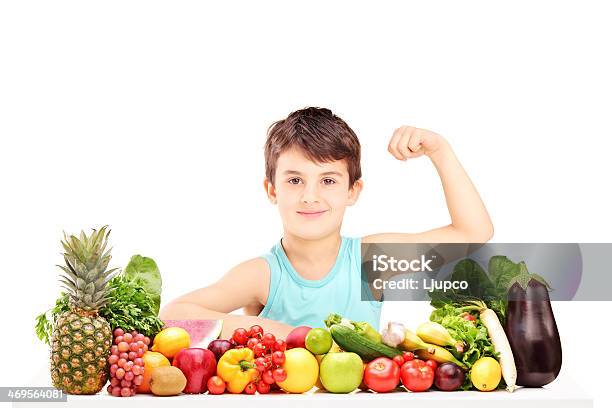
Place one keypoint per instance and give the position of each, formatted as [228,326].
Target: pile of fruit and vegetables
[104,332]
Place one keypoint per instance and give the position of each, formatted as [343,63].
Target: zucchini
[349,340]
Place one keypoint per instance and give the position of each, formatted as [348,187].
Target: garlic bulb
[394,334]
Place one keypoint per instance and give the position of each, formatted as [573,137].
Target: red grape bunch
[126,363]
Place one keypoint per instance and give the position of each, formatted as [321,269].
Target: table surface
[562,393]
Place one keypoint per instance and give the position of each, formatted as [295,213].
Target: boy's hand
[410,142]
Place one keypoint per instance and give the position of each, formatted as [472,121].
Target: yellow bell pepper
[237,369]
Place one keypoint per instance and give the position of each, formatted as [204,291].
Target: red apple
[198,365]
[297,337]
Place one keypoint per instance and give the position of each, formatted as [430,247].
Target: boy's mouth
[311,214]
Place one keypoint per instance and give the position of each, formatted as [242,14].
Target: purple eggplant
[532,333]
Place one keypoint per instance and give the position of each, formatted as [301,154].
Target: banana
[411,342]
[439,354]
[435,333]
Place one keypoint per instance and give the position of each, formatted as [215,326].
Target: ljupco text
[414,284]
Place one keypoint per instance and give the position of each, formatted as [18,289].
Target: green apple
[341,372]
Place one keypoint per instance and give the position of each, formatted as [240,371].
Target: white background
[151,117]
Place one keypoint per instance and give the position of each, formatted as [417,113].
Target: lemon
[486,374]
[170,341]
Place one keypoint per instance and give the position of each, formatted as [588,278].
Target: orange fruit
[151,360]
[170,341]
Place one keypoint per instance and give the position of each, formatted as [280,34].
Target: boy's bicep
[442,234]
[239,287]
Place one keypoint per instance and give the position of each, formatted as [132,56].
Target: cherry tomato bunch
[269,357]
[402,358]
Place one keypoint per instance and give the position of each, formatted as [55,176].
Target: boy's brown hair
[320,135]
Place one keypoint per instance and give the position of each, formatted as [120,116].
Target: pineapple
[81,340]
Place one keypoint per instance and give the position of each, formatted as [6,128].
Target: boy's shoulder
[258,264]
[255,273]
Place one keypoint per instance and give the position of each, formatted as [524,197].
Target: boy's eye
[329,181]
[295,180]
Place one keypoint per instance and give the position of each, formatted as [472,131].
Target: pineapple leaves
[68,284]
[69,272]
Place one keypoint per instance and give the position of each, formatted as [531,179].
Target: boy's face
[311,196]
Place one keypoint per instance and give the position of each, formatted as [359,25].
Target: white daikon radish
[500,343]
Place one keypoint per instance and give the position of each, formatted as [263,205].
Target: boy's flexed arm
[243,286]
[470,221]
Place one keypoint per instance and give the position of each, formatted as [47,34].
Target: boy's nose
[310,194]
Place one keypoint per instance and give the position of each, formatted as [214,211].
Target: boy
[313,173]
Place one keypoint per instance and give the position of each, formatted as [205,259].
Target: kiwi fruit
[166,381]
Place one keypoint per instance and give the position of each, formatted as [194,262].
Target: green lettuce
[144,271]
[491,287]
[471,332]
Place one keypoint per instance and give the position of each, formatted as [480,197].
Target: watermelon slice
[201,332]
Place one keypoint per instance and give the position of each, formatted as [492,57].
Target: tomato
[215,385]
[416,375]
[399,360]
[408,356]
[280,345]
[252,342]
[268,340]
[432,363]
[256,332]
[240,336]
[467,316]
[262,387]
[250,388]
[279,375]
[259,350]
[382,375]
[260,364]
[267,377]
[278,358]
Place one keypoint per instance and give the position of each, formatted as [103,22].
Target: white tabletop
[562,393]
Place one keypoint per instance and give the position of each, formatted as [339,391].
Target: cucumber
[349,340]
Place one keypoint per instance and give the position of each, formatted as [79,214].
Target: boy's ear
[270,190]
[355,191]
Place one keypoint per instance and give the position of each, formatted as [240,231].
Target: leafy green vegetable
[501,271]
[491,287]
[479,284]
[473,333]
[44,326]
[129,306]
[144,271]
